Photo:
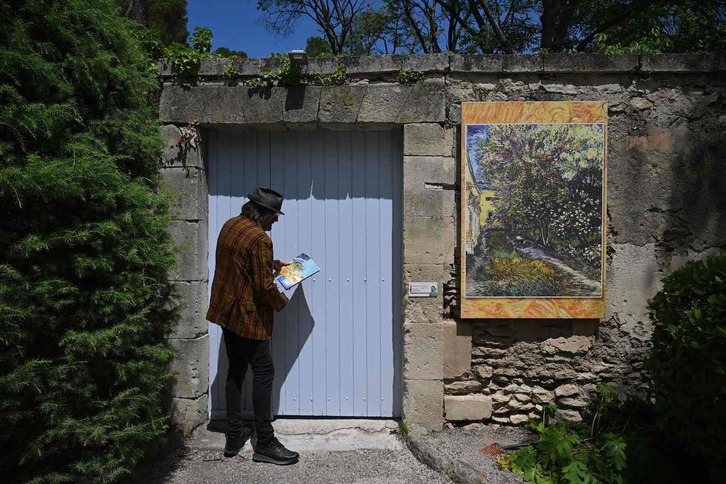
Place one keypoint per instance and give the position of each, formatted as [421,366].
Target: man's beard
[266,226]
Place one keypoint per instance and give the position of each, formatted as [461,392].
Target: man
[244,296]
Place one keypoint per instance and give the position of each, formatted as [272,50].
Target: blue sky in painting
[474,134]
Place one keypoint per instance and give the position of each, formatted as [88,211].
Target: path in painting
[576,282]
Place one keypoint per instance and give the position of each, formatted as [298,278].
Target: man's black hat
[268,198]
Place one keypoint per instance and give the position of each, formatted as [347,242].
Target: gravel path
[196,466]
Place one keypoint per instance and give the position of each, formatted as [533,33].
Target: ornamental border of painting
[530,307]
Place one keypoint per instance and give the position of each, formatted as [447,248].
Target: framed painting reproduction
[533,209]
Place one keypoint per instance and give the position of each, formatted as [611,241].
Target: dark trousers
[242,352]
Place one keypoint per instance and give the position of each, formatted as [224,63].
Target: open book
[299,269]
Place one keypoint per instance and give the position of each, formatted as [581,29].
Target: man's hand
[279,264]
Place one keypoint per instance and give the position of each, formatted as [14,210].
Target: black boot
[274,453]
[234,444]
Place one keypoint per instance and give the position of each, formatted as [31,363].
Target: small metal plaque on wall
[423,289]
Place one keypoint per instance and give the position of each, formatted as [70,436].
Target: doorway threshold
[310,434]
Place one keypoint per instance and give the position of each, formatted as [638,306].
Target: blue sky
[235,24]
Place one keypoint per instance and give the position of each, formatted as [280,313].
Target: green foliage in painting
[546,203]
[509,272]
[688,361]
[84,250]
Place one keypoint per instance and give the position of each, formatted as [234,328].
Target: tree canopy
[165,19]
[507,26]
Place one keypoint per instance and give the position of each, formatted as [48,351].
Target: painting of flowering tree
[542,233]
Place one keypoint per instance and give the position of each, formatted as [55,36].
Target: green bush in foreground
[572,452]
[84,251]
[688,361]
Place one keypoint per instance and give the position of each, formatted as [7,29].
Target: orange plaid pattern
[244,293]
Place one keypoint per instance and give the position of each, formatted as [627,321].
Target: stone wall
[666,205]
[184,175]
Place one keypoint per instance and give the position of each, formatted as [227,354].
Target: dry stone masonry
[666,205]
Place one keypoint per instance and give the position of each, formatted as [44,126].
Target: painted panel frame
[532,242]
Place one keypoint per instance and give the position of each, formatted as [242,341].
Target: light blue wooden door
[336,346]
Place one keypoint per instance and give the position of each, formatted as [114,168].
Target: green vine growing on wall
[285,75]
[186,59]
[409,77]
[338,77]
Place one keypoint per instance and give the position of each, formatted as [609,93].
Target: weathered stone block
[422,240]
[681,62]
[590,63]
[454,115]
[519,419]
[484,372]
[571,415]
[325,65]
[422,351]
[190,239]
[340,104]
[573,402]
[476,63]
[457,348]
[301,104]
[633,279]
[425,62]
[190,367]
[388,64]
[424,309]
[423,403]
[207,103]
[189,188]
[542,395]
[364,64]
[175,154]
[425,103]
[193,300]
[572,345]
[463,387]
[189,413]
[522,63]
[261,106]
[401,104]
[428,139]
[467,407]
[418,171]
[422,202]
[567,390]
[383,103]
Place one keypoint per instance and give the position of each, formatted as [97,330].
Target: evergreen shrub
[688,360]
[84,251]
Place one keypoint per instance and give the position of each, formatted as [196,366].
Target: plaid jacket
[244,293]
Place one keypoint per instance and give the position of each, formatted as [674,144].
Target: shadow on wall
[667,179]
[287,343]
[330,165]
[508,332]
